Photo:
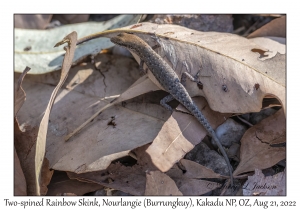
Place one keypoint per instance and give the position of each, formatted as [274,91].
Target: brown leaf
[25,147]
[61,184]
[42,133]
[20,187]
[188,182]
[257,151]
[197,171]
[258,184]
[180,134]
[32,21]
[158,183]
[276,27]
[143,159]
[126,179]
[46,175]
[24,143]
[20,95]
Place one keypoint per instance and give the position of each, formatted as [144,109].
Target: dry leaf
[276,27]
[257,151]
[143,159]
[20,184]
[126,179]
[197,171]
[25,147]
[188,182]
[42,133]
[20,187]
[61,184]
[46,175]
[180,134]
[25,143]
[158,183]
[258,184]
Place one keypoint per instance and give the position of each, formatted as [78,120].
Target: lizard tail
[201,118]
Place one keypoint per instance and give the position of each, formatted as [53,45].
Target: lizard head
[129,41]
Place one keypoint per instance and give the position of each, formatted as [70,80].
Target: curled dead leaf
[42,133]
[20,95]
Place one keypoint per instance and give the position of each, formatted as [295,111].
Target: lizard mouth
[121,40]
[118,41]
[114,40]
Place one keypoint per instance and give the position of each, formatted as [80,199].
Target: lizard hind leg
[165,100]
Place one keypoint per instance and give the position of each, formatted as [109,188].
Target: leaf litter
[116,167]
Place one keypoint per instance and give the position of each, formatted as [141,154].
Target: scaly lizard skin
[169,80]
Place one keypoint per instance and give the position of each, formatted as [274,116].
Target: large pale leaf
[223,61]
[34,48]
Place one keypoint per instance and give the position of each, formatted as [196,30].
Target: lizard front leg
[141,68]
[192,78]
[169,98]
